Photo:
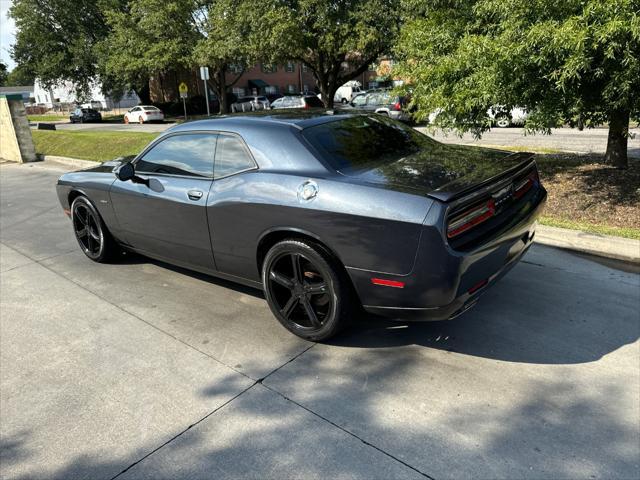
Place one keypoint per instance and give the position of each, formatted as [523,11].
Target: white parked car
[502,119]
[144,114]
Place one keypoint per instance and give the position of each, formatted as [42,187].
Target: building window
[373,85]
[306,88]
[291,88]
[238,91]
[270,89]
[290,67]
[235,68]
[269,68]
[373,67]
[305,68]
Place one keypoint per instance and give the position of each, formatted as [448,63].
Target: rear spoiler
[461,190]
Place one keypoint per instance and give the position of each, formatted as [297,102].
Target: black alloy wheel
[306,292]
[92,236]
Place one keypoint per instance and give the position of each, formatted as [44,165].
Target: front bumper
[444,283]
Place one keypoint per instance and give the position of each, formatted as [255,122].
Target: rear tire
[503,121]
[91,233]
[309,294]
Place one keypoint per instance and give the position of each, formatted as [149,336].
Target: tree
[18,77]
[337,41]
[575,62]
[3,73]
[226,32]
[147,38]
[154,37]
[56,39]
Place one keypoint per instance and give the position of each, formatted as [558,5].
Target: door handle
[194,194]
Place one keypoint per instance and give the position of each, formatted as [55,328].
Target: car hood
[444,171]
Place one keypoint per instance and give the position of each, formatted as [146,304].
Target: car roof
[296,119]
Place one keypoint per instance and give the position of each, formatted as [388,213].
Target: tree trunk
[222,91]
[327,92]
[616,154]
[144,93]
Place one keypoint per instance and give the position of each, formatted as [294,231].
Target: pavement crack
[350,433]
[217,409]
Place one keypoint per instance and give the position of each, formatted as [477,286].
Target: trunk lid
[445,172]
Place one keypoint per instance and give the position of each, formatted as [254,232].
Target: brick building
[261,79]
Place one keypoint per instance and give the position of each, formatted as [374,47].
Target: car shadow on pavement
[529,316]
[131,258]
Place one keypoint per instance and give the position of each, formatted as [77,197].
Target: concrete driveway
[141,370]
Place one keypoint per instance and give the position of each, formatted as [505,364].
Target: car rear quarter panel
[366,227]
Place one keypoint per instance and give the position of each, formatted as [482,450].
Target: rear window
[314,102]
[364,142]
[150,109]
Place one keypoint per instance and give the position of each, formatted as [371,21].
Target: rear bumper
[444,283]
[450,311]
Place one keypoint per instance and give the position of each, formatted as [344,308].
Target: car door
[233,249]
[165,215]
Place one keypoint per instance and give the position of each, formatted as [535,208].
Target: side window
[231,156]
[187,154]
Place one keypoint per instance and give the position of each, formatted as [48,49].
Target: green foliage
[3,74]
[19,76]
[574,61]
[148,37]
[56,39]
[325,35]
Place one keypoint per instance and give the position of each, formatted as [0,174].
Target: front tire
[90,231]
[306,290]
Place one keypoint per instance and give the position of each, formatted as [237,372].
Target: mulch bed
[582,189]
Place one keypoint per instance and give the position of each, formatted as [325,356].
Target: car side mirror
[126,172]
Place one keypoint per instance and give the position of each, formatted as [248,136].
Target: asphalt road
[565,139]
[142,370]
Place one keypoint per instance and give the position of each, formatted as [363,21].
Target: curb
[626,249]
[70,162]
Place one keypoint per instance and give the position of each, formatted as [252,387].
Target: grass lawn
[585,194]
[47,118]
[98,146]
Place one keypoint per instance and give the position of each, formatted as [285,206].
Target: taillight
[306,106]
[471,218]
[525,184]
[396,107]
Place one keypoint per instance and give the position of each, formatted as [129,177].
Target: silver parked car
[297,101]
[250,104]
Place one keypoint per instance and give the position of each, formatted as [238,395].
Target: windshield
[365,142]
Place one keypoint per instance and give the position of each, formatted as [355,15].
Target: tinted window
[231,156]
[314,102]
[364,142]
[189,154]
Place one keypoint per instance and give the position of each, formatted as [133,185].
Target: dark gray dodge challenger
[328,213]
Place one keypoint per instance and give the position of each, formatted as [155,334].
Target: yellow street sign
[183,88]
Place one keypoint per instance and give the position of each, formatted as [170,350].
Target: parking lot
[143,370]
